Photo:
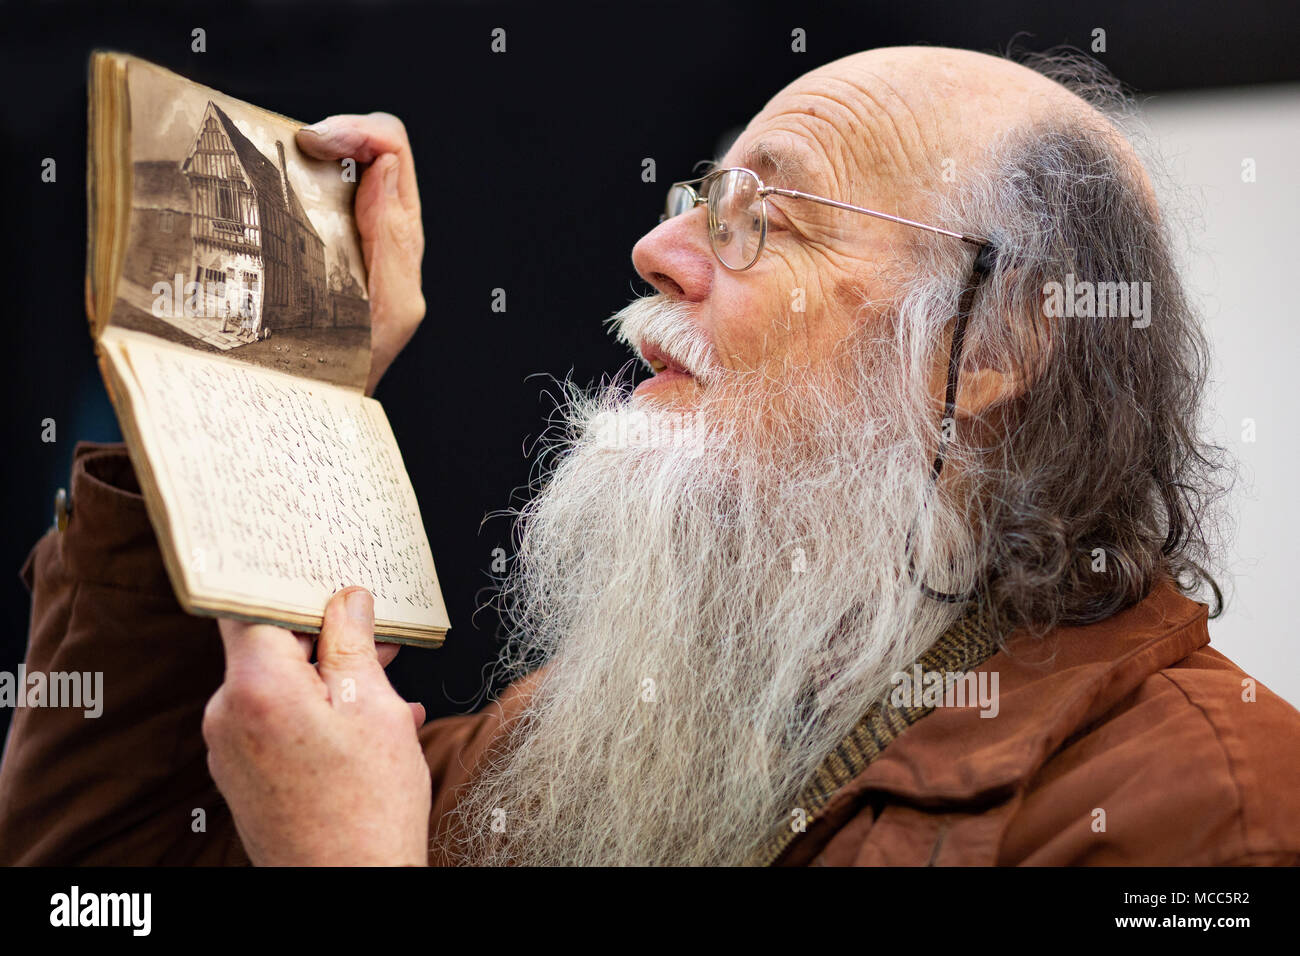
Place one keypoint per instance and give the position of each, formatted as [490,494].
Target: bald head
[909,113]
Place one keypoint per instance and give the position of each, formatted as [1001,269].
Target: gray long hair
[1101,456]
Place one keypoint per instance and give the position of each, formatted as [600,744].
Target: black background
[530,174]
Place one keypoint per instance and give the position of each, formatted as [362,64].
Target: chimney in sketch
[284,174]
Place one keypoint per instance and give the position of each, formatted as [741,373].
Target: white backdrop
[1243,263]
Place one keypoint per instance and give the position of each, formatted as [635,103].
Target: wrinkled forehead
[829,134]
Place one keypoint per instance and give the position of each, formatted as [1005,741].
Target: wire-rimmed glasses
[737,207]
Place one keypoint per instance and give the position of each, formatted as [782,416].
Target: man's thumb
[347,634]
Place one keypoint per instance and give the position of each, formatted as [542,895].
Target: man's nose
[675,257]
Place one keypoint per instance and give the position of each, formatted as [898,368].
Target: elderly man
[889,562]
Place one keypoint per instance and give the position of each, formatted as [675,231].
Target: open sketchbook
[227,299]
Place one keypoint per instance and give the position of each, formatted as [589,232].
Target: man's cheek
[729,335]
[761,330]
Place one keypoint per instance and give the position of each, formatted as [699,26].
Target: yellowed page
[279,490]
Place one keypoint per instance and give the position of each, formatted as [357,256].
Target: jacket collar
[1047,689]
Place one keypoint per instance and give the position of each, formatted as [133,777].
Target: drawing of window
[225,201]
[216,282]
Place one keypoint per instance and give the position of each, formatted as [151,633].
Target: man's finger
[346,657]
[257,645]
[364,138]
[386,652]
[417,711]
[392,241]
[361,136]
[307,642]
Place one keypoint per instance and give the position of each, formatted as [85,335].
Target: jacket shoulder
[1257,739]
[1198,765]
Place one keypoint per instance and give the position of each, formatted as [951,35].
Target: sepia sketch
[238,243]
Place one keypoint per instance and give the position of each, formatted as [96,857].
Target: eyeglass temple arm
[796,194]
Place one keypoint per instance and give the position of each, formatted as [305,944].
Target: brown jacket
[1126,742]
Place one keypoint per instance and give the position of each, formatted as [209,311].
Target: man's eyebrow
[776,165]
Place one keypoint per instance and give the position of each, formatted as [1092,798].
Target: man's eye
[776,222]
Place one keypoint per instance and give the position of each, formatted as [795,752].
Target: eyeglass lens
[680,199]
[736,216]
[736,219]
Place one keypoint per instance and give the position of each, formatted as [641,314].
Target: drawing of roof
[262,173]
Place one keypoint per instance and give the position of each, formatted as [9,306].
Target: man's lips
[666,368]
[660,361]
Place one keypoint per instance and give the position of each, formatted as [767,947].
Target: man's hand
[319,765]
[388,218]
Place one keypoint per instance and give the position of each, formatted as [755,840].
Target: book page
[279,491]
[238,243]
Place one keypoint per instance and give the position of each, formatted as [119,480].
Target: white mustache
[658,321]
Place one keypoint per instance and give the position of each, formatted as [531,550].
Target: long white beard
[717,606]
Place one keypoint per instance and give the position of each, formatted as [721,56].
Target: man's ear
[1000,365]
